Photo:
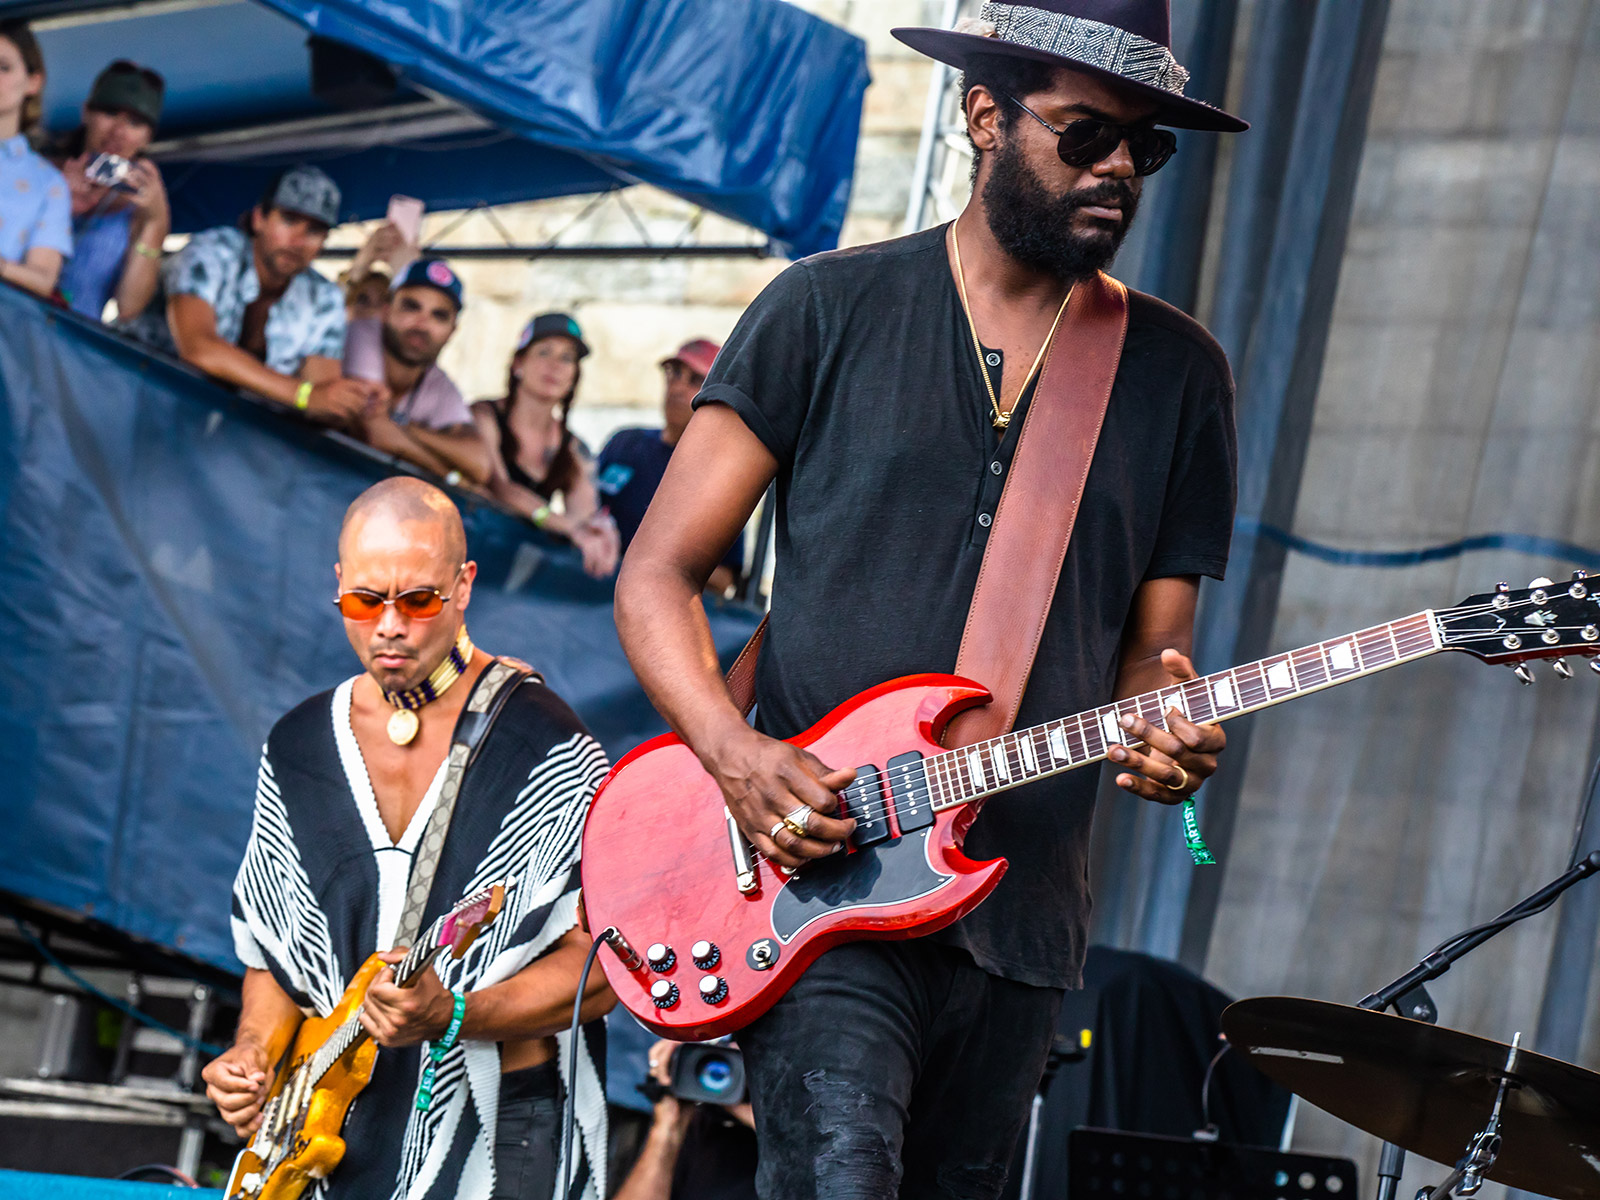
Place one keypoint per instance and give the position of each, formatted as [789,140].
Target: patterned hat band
[1092,43]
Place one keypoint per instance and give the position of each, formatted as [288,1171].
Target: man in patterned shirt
[243,304]
[347,805]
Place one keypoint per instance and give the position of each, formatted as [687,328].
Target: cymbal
[1429,1089]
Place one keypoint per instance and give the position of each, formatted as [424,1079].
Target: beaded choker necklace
[404,722]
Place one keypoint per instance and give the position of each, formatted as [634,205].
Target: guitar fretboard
[973,772]
[419,958]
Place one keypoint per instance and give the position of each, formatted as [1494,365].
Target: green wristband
[1191,836]
[437,1051]
[302,395]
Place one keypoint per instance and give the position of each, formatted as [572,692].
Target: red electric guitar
[708,935]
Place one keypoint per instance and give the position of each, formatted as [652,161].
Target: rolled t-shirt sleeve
[54,229]
[766,369]
[1202,491]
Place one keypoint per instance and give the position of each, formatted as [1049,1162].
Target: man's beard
[1036,228]
[397,349]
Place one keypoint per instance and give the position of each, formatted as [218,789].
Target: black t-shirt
[628,473]
[856,369]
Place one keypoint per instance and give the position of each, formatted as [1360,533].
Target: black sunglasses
[1091,140]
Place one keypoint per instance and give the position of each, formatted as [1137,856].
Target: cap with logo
[308,191]
[552,324]
[434,273]
[128,88]
[697,355]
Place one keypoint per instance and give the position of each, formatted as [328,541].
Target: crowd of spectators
[84,219]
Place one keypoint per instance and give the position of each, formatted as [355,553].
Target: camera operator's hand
[671,1115]
[149,196]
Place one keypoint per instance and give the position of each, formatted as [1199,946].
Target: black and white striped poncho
[322,886]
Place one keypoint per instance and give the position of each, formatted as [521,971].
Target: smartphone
[405,214]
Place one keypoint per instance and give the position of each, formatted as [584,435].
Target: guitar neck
[1025,755]
[417,960]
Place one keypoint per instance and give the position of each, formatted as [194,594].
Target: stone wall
[634,312]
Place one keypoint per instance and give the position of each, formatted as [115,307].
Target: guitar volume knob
[713,989]
[705,954]
[660,957]
[663,993]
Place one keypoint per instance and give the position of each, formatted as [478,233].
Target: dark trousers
[895,1069]
[527,1143]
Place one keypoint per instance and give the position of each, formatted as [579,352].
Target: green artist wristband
[437,1051]
[1191,835]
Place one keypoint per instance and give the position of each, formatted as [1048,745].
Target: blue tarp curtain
[751,108]
[166,553]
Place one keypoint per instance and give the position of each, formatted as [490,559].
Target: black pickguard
[888,873]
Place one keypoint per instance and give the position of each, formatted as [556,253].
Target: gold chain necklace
[403,722]
[1001,419]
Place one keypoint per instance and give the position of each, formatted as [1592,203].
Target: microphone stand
[1410,998]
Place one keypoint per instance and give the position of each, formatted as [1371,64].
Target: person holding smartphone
[120,215]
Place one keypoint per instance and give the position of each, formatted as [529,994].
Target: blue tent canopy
[750,108]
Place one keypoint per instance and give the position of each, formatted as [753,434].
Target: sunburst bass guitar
[331,1061]
[707,936]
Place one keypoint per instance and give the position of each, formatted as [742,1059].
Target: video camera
[703,1073]
[109,171]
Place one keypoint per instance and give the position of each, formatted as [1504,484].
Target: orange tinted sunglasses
[415,604]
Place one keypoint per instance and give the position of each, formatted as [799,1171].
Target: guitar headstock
[462,925]
[1542,620]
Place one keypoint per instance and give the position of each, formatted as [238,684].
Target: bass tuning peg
[1561,669]
[1521,672]
[1594,665]
[1541,581]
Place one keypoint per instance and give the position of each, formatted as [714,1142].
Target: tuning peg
[1580,575]
[1521,672]
[1502,587]
[1560,668]
[1594,665]
[1541,581]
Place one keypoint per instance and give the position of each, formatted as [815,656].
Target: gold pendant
[403,726]
[1002,420]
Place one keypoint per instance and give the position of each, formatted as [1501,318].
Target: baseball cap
[434,273]
[697,355]
[552,324]
[127,87]
[305,190]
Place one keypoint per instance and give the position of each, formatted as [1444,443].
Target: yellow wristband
[540,515]
[150,252]
[302,395]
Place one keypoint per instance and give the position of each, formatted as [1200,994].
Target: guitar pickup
[866,801]
[908,784]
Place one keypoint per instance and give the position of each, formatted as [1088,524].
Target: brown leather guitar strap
[1038,507]
[1026,549]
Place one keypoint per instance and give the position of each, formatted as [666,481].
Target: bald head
[404,501]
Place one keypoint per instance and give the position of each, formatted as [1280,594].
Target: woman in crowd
[536,457]
[35,211]
[117,231]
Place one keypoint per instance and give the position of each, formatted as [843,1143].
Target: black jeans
[527,1143]
[895,1069]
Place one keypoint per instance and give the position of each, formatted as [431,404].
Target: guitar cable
[574,1032]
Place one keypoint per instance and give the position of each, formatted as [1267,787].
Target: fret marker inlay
[1113,731]
[1278,677]
[1025,753]
[1058,743]
[975,769]
[1343,656]
[1223,691]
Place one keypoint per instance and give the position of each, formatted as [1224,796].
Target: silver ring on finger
[798,822]
[777,825]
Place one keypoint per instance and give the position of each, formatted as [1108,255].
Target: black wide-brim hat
[1127,42]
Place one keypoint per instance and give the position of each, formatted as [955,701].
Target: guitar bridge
[744,872]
